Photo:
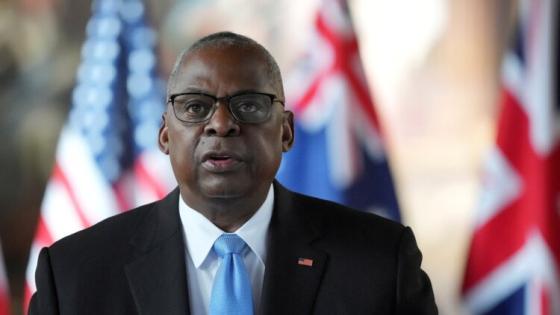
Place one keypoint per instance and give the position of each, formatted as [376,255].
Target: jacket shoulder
[333,214]
[111,234]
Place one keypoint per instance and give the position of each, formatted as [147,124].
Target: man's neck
[228,214]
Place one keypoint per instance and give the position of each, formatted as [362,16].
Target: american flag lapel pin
[305,262]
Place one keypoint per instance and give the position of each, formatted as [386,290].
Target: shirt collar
[201,233]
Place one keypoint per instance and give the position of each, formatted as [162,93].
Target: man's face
[222,158]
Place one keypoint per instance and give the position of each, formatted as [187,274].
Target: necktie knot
[229,244]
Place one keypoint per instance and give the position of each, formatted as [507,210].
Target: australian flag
[338,152]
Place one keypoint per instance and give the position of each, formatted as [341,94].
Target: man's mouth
[220,157]
[220,162]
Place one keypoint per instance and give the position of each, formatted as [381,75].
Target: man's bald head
[224,40]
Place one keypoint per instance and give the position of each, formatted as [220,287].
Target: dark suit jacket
[134,263]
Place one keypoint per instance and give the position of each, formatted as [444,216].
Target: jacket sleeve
[45,300]
[414,290]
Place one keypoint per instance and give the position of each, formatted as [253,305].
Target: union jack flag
[107,159]
[514,259]
[338,152]
[4,292]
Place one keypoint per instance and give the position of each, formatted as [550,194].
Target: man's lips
[221,161]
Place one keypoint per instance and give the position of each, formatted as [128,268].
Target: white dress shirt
[202,263]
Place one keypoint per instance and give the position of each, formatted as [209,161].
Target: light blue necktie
[231,291]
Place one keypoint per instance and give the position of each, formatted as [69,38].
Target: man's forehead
[212,65]
[225,54]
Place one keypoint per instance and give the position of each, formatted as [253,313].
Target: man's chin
[224,191]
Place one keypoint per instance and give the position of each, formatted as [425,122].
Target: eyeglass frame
[226,98]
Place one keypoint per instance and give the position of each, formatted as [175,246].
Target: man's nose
[222,123]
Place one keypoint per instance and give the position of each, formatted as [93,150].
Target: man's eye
[194,108]
[247,107]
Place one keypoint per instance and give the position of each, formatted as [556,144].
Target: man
[230,239]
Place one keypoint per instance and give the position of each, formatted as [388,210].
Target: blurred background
[432,67]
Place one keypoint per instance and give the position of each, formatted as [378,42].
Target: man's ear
[163,138]
[287,131]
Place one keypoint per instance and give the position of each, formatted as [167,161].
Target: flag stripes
[107,159]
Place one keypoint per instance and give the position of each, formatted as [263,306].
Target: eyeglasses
[250,107]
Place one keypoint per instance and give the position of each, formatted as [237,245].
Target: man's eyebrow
[191,90]
[246,91]
[201,91]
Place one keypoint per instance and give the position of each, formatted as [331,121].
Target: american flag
[305,262]
[514,259]
[4,292]
[338,152]
[107,159]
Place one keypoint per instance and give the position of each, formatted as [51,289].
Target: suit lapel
[294,268]
[157,275]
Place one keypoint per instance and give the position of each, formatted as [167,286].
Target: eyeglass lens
[250,108]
